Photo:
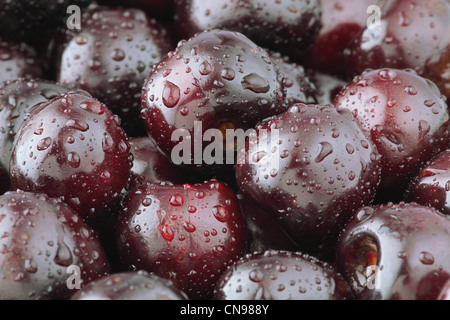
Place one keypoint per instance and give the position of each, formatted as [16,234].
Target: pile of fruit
[118,180]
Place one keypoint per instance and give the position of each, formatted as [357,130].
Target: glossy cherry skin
[297,86]
[17,99]
[413,34]
[327,87]
[217,78]
[281,275]
[18,60]
[187,233]
[161,10]
[445,293]
[286,26]
[407,118]
[23,19]
[138,285]
[342,21]
[395,251]
[263,230]
[42,237]
[73,147]
[150,165]
[318,170]
[111,56]
[432,186]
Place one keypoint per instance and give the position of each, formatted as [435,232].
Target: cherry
[284,25]
[327,86]
[281,275]
[413,34]
[161,10]
[23,19]
[445,293]
[395,251]
[407,120]
[312,170]
[111,56]
[130,286]
[296,84]
[42,238]
[150,165]
[187,233]
[17,99]
[73,147]
[342,21]
[219,79]
[18,60]
[432,186]
[263,229]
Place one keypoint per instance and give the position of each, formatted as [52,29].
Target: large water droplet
[221,213]
[325,149]
[255,83]
[171,94]
[44,144]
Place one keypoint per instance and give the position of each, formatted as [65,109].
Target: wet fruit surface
[111,56]
[445,293]
[17,99]
[396,251]
[407,120]
[432,186]
[130,286]
[284,25]
[187,233]
[41,239]
[158,9]
[281,275]
[18,60]
[412,34]
[73,147]
[311,170]
[218,79]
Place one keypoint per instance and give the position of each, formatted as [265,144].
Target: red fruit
[158,9]
[284,25]
[396,252]
[73,147]
[342,21]
[312,170]
[220,79]
[407,118]
[187,233]
[42,238]
[17,99]
[111,56]
[264,231]
[18,60]
[445,293]
[413,34]
[327,86]
[130,286]
[281,275]
[432,186]
[150,165]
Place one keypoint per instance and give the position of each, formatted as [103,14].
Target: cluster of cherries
[351,202]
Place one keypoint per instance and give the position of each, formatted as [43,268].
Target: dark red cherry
[73,147]
[412,34]
[162,10]
[396,252]
[342,21]
[24,19]
[138,285]
[150,165]
[18,60]
[281,275]
[264,231]
[327,86]
[111,56]
[216,79]
[311,167]
[445,293]
[407,118]
[187,233]
[432,186]
[297,86]
[17,99]
[47,249]
[286,26]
